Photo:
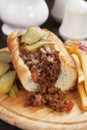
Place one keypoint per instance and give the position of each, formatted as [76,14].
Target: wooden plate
[15,113]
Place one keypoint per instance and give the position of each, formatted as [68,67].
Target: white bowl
[21,14]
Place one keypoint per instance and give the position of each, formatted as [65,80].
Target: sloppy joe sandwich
[44,67]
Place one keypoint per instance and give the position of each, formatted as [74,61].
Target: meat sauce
[44,65]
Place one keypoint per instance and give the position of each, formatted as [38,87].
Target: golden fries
[83,56]
[80,72]
[82,96]
[73,48]
[78,52]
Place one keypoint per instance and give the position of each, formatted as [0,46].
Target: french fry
[78,64]
[83,96]
[73,48]
[80,84]
[78,52]
[83,56]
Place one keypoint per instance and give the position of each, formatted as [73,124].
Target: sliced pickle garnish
[13,91]
[32,35]
[5,57]
[4,67]
[6,81]
[37,45]
[20,33]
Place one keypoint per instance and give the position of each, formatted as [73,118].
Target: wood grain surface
[14,112]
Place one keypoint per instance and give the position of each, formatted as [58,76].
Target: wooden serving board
[13,111]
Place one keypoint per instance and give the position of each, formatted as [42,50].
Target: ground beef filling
[51,97]
[44,65]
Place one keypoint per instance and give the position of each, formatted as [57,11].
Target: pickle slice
[5,57]
[4,67]
[37,45]
[20,33]
[32,35]
[13,91]
[6,81]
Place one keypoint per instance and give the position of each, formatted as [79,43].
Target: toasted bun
[68,74]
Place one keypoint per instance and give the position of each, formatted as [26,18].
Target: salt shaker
[58,9]
[74,24]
